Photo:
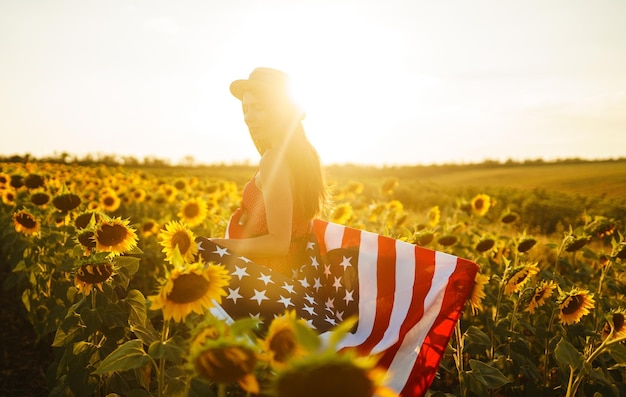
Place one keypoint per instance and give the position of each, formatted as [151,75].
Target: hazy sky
[384,82]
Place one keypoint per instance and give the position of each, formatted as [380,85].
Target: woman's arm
[275,184]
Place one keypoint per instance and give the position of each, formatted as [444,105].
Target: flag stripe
[405,281]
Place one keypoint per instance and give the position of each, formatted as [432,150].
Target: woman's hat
[264,80]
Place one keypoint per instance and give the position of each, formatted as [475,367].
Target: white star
[285,301]
[221,251]
[330,320]
[304,282]
[259,296]
[256,317]
[330,303]
[348,298]
[327,271]
[337,283]
[234,294]
[310,245]
[240,272]
[289,288]
[310,323]
[244,259]
[266,279]
[310,299]
[317,283]
[314,262]
[339,316]
[345,263]
[200,247]
[310,309]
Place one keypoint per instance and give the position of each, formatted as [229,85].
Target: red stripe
[424,272]
[351,238]
[319,228]
[459,287]
[386,284]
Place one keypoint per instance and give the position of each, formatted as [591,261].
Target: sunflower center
[283,344]
[188,288]
[110,235]
[191,210]
[94,273]
[86,239]
[109,201]
[573,305]
[26,220]
[618,322]
[181,239]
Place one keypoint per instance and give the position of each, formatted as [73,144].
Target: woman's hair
[307,174]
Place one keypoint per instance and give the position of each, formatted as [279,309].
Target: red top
[250,221]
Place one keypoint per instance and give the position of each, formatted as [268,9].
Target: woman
[288,190]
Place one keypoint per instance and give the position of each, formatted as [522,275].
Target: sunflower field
[104,260]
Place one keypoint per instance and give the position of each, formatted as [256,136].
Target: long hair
[307,174]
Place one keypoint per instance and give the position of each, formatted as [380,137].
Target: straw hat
[263,80]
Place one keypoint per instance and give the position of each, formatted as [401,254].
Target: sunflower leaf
[490,376]
[618,353]
[476,336]
[137,309]
[566,354]
[130,355]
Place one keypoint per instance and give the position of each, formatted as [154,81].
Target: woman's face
[258,118]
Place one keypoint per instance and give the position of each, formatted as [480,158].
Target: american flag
[407,298]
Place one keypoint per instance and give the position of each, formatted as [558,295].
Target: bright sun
[350,92]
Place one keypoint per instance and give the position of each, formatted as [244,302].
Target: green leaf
[147,335]
[171,350]
[127,356]
[566,354]
[618,353]
[61,338]
[306,336]
[491,377]
[137,309]
[129,263]
[475,335]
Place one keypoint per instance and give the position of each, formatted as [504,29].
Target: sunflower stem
[458,356]
[546,351]
[161,374]
[221,390]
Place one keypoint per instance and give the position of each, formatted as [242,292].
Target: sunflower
[85,219]
[509,217]
[227,362]
[388,186]
[342,213]
[447,240]
[9,196]
[434,216]
[478,292]
[193,211]
[281,343]
[190,289]
[5,179]
[39,198]
[573,244]
[526,244]
[480,204]
[139,195]
[115,236]
[616,324]
[66,201]
[109,200]
[574,305]
[518,277]
[33,181]
[332,374]
[92,274]
[485,244]
[149,227]
[86,240]
[178,235]
[542,293]
[26,223]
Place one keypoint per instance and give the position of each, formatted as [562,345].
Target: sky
[393,82]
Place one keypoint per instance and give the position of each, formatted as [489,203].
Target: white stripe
[404,360]
[368,290]
[333,236]
[403,294]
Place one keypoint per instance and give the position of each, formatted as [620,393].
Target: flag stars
[337,283]
[348,298]
[240,272]
[259,296]
[309,299]
[288,288]
[317,283]
[331,321]
[330,304]
[266,279]
[327,271]
[221,251]
[233,294]
[310,310]
[345,263]
[314,262]
[285,301]
[304,282]
[310,245]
